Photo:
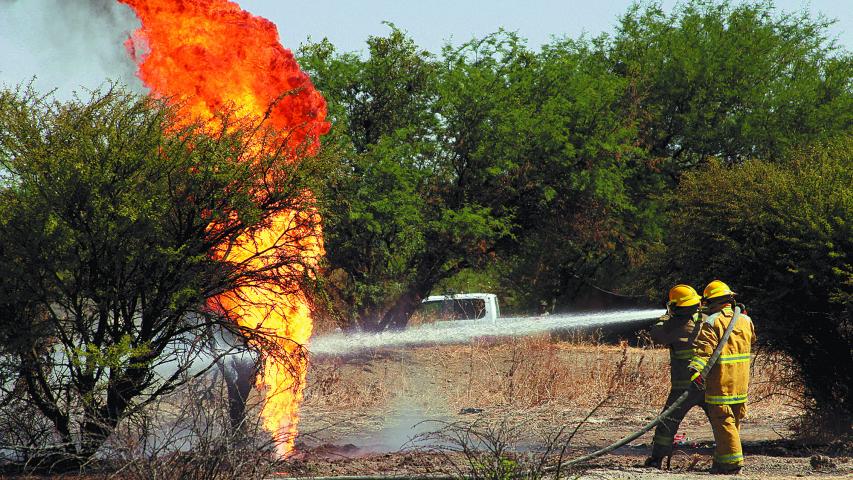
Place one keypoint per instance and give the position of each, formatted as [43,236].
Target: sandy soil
[380,411]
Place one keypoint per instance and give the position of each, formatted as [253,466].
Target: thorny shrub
[190,435]
[488,451]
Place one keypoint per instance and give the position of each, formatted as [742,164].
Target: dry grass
[533,372]
[533,375]
[363,382]
[521,373]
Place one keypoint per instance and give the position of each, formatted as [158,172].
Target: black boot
[657,462]
[720,470]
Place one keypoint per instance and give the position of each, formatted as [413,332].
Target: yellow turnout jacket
[728,381]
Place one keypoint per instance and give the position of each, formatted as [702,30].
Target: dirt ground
[414,410]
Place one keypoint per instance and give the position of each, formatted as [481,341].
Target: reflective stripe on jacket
[728,381]
[677,334]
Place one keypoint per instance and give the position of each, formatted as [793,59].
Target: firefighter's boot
[654,462]
[657,462]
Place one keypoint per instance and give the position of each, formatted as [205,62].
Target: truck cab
[460,306]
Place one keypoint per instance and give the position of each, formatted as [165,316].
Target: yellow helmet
[683,296]
[717,289]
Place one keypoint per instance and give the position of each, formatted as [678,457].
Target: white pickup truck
[460,306]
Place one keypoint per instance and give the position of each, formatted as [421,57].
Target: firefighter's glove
[666,316]
[697,379]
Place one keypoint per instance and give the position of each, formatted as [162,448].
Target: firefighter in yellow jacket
[728,381]
[677,330]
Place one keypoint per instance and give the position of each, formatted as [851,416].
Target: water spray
[461,331]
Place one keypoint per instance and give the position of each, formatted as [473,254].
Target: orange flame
[211,55]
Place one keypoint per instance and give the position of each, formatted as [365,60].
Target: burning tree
[204,55]
[121,222]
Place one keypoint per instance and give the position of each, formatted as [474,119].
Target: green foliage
[482,148]
[116,356]
[106,208]
[501,468]
[557,153]
[397,221]
[548,166]
[93,359]
[713,79]
[780,234]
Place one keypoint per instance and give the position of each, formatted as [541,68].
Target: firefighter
[677,330]
[728,381]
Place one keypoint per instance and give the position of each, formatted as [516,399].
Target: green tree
[395,221]
[558,157]
[780,234]
[733,82]
[112,212]
[547,139]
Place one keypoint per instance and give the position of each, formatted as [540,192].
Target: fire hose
[712,360]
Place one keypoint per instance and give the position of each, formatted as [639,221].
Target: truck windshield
[449,309]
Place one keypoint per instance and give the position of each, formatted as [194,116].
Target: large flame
[211,55]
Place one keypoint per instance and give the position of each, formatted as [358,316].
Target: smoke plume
[65,45]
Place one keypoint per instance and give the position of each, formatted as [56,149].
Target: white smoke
[65,45]
[464,331]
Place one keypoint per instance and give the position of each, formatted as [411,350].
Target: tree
[113,216]
[395,223]
[731,82]
[779,234]
[492,154]
[558,158]
[547,139]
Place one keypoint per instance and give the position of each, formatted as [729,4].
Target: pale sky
[430,22]
[67,46]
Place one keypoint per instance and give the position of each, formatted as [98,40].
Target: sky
[432,22]
[66,45]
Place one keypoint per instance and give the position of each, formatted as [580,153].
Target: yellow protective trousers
[725,421]
[666,430]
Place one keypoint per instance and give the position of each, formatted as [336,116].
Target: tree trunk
[429,273]
[54,458]
[397,317]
